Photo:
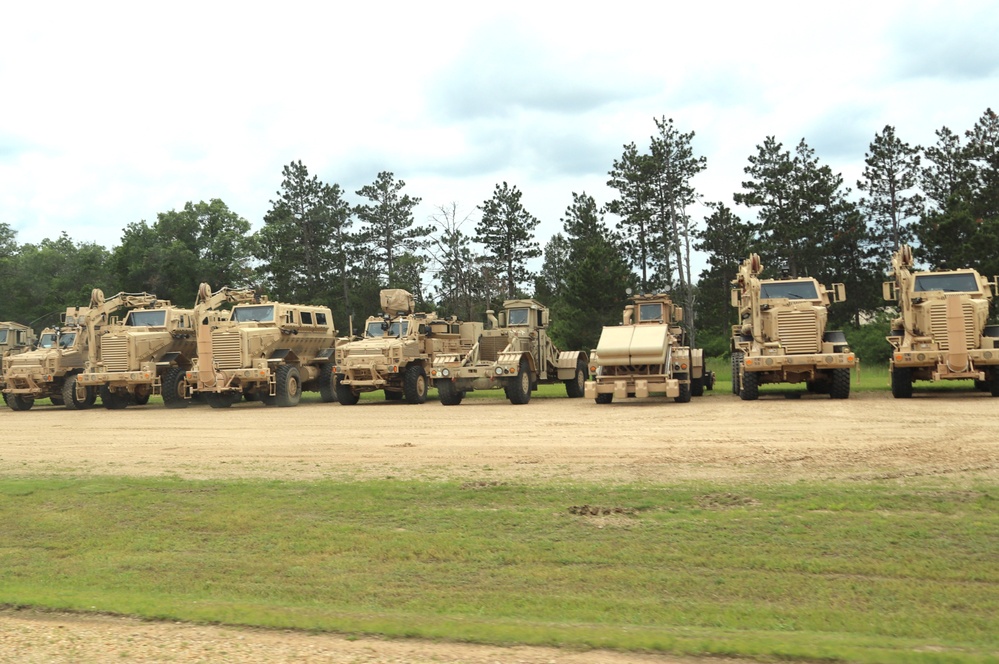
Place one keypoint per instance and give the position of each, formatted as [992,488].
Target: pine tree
[391,232]
[890,178]
[506,229]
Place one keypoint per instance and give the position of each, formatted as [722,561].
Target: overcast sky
[113,112]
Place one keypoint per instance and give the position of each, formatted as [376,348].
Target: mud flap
[590,389]
[641,388]
[620,389]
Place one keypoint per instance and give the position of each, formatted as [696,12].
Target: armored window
[791,290]
[255,313]
[306,318]
[398,328]
[3,336]
[518,317]
[146,318]
[66,340]
[649,313]
[961,282]
[321,318]
[374,329]
[48,340]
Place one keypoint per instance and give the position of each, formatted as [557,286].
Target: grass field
[866,573]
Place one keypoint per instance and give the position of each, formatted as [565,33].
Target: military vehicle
[782,335]
[941,332]
[268,351]
[14,338]
[397,350]
[644,355]
[52,369]
[154,346]
[513,352]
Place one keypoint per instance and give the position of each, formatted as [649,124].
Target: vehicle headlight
[499,371]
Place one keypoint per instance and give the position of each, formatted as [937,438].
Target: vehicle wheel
[574,388]
[982,385]
[605,397]
[736,368]
[414,384]
[697,387]
[222,399]
[289,386]
[69,395]
[519,390]
[749,388]
[264,397]
[448,392]
[994,382]
[345,395]
[327,387]
[709,383]
[17,402]
[175,388]
[56,401]
[141,395]
[113,399]
[901,382]
[839,386]
[391,395]
[685,392]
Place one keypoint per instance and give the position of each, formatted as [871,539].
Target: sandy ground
[718,437]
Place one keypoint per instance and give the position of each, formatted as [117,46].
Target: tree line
[316,247]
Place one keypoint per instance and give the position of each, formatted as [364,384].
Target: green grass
[866,573]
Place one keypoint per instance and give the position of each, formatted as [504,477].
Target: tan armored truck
[782,335]
[14,338]
[514,353]
[151,350]
[268,351]
[397,350]
[52,369]
[644,355]
[941,332]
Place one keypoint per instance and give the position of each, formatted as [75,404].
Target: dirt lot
[717,437]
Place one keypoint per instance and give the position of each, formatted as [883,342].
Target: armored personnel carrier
[644,355]
[515,353]
[782,336]
[942,331]
[397,350]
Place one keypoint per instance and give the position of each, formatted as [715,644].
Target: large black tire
[993,379]
[114,399]
[18,402]
[736,367]
[575,387]
[448,392]
[685,392]
[140,397]
[749,388]
[345,395]
[56,401]
[288,391]
[392,395]
[839,385]
[222,399]
[697,387]
[519,389]
[605,397]
[327,383]
[901,382]
[69,398]
[414,384]
[174,388]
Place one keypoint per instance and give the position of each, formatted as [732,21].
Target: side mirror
[735,297]
[676,315]
[501,318]
[839,292]
[888,291]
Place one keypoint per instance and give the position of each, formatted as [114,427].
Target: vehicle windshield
[47,340]
[259,314]
[792,290]
[3,336]
[66,340]
[960,282]
[146,318]
[648,313]
[375,328]
[518,317]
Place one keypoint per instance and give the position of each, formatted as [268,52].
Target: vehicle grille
[798,330]
[226,349]
[938,325]
[489,347]
[114,353]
